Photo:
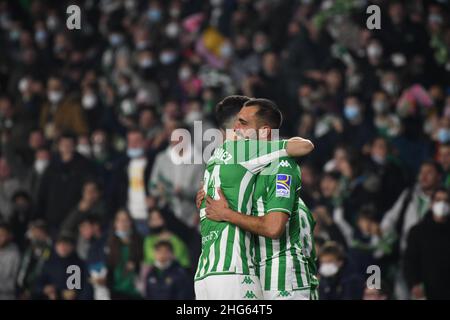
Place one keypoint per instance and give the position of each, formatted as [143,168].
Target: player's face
[247,123]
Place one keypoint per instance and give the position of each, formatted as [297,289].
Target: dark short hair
[268,112]
[5,226]
[434,164]
[228,108]
[332,248]
[68,135]
[164,243]
[440,189]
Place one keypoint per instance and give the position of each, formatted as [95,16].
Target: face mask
[40,165]
[84,149]
[379,106]
[328,269]
[351,112]
[123,89]
[14,35]
[443,135]
[146,63]
[115,39]
[435,19]
[122,234]
[98,150]
[185,73]
[154,15]
[135,152]
[167,58]
[89,101]
[141,45]
[390,87]
[52,23]
[40,36]
[128,107]
[260,47]
[172,30]
[440,209]
[193,116]
[378,160]
[374,51]
[24,84]
[55,96]
[226,51]
[162,266]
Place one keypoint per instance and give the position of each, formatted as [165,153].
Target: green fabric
[180,250]
[124,281]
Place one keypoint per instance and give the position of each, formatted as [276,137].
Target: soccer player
[280,221]
[225,269]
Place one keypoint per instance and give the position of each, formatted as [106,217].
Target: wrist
[228,215]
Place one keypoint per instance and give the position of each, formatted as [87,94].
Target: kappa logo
[250,295]
[284,164]
[247,280]
[284,293]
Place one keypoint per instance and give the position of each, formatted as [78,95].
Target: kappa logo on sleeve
[283,186]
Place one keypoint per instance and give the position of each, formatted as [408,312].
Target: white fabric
[228,287]
[136,188]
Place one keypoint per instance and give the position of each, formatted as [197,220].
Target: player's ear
[264,132]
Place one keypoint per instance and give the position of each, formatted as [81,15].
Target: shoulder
[284,165]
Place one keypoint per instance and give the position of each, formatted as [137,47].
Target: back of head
[228,108]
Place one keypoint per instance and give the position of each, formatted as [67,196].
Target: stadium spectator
[158,231]
[21,216]
[52,282]
[61,113]
[35,255]
[155,281]
[62,183]
[338,279]
[9,185]
[173,175]
[124,257]
[91,247]
[91,204]
[428,251]
[9,264]
[131,180]
[408,210]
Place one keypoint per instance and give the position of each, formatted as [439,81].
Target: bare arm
[271,225]
[297,147]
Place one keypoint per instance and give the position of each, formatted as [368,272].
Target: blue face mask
[122,234]
[351,112]
[154,15]
[443,135]
[167,58]
[135,152]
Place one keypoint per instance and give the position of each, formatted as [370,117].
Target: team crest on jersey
[283,186]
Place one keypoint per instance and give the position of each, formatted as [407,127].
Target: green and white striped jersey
[287,263]
[233,167]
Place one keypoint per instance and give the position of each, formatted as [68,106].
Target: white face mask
[55,96]
[40,165]
[328,269]
[440,209]
[89,101]
[84,149]
[162,266]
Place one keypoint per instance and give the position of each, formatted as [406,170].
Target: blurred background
[86,176]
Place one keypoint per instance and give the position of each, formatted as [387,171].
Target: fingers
[221,194]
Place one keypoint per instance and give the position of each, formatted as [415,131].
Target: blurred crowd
[87,175]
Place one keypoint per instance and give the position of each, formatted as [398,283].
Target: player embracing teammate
[256,231]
